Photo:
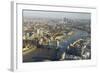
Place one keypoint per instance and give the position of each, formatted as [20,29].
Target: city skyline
[56,36]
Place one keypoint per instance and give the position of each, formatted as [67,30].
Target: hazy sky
[51,14]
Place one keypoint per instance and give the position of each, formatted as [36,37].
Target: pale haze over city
[55,14]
